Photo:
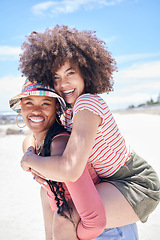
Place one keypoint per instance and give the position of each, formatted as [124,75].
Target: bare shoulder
[28,142]
[59,143]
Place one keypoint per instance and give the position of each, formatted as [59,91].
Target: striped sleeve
[92,103]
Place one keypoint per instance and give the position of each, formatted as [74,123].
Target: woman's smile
[69,93]
[36,119]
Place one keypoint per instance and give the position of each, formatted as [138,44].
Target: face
[38,113]
[69,83]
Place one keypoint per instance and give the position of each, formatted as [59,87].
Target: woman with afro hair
[79,67]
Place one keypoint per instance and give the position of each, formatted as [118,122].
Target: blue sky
[130,28]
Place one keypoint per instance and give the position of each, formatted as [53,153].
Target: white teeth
[36,120]
[68,91]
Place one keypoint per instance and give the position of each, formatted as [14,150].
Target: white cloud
[149,70]
[40,8]
[11,85]
[131,98]
[135,57]
[9,52]
[69,6]
[110,39]
[135,85]
[109,2]
[120,101]
[141,87]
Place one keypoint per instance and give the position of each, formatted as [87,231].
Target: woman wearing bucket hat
[34,89]
[39,104]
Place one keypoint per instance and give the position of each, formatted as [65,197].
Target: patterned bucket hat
[34,89]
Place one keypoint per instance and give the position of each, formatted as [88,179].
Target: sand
[20,206]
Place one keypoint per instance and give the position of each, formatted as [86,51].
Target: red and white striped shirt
[110,151]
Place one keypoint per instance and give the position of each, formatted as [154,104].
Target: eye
[70,73]
[46,104]
[28,103]
[56,80]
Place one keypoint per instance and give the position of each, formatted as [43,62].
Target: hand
[24,166]
[40,179]
[30,151]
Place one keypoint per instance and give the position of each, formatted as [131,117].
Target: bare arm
[69,166]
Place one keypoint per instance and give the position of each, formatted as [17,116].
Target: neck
[39,143]
[39,137]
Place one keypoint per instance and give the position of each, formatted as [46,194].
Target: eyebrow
[69,69]
[66,70]
[27,98]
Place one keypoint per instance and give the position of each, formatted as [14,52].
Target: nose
[37,110]
[63,82]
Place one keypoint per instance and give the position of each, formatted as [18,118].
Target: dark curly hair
[57,187]
[44,53]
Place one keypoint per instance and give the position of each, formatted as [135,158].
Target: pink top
[110,151]
[61,134]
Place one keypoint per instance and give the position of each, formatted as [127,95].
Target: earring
[17,121]
[57,119]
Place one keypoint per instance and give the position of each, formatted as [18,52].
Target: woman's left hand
[28,154]
[38,177]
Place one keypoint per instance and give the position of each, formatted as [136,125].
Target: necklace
[39,148]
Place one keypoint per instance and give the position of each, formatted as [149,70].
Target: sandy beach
[20,206]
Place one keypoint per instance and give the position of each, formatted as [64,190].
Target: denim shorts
[128,232]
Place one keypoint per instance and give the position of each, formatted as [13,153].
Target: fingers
[28,155]
[31,149]
[38,174]
[29,152]
[39,180]
[24,166]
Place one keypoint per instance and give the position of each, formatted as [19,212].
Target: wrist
[32,159]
